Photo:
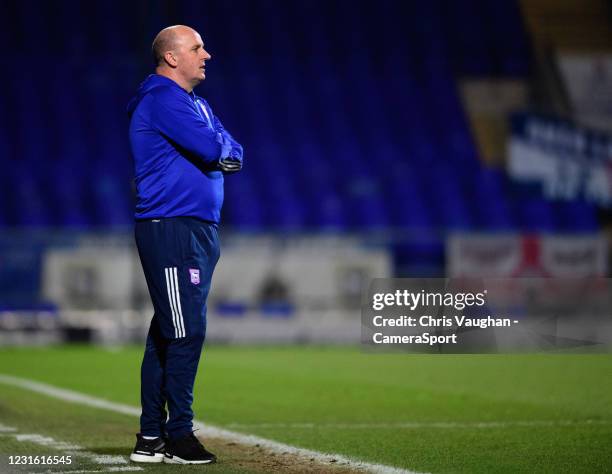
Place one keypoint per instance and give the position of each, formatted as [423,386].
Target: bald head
[180,55]
[170,39]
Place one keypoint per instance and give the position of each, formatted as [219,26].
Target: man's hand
[230,165]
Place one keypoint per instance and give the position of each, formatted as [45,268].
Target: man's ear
[170,59]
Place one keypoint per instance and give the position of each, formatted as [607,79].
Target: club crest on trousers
[194,276]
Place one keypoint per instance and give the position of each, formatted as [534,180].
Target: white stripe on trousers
[174,300]
[178,302]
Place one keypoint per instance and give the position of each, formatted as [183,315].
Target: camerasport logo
[194,275]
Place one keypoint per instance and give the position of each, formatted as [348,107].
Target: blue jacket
[176,143]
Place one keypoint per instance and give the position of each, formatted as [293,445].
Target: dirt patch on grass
[255,458]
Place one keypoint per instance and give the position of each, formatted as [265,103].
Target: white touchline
[78,471]
[46,441]
[206,430]
[82,471]
[70,449]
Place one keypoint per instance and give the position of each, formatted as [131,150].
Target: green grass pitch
[537,413]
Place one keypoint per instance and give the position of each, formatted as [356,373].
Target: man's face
[191,56]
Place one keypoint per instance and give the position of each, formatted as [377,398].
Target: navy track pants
[178,256]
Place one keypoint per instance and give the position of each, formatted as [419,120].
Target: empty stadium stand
[351,120]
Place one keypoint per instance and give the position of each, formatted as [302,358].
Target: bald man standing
[181,153]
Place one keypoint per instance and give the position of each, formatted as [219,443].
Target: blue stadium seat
[335,139]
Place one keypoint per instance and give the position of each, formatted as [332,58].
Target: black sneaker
[148,450]
[188,450]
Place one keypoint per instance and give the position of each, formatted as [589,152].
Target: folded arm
[232,162]
[176,118]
